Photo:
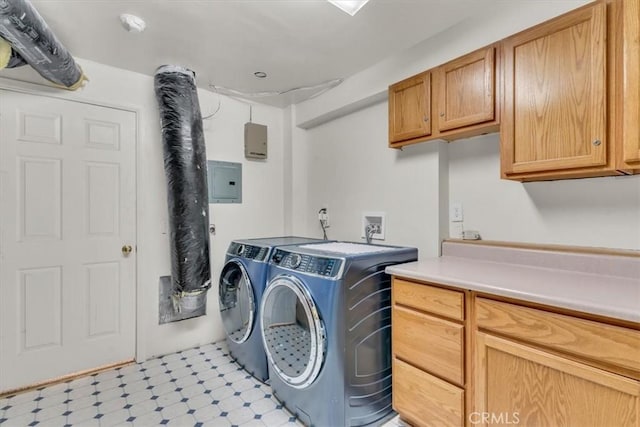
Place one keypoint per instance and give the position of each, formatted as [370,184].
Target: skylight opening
[349,6]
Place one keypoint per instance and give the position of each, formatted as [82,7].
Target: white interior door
[67,208]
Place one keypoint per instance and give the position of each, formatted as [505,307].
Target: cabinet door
[466,90]
[555,95]
[517,384]
[631,127]
[410,108]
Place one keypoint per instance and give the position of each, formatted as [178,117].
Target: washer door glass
[292,331]
[237,302]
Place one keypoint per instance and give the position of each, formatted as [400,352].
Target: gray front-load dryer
[242,281]
[326,328]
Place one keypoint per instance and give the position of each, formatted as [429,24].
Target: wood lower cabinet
[546,369]
[455,100]
[601,343]
[428,347]
[531,387]
[425,400]
[463,358]
[440,350]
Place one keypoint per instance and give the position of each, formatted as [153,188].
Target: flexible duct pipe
[32,41]
[9,58]
[185,165]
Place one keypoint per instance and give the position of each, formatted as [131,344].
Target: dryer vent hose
[185,165]
[32,41]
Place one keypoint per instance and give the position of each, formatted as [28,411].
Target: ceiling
[298,43]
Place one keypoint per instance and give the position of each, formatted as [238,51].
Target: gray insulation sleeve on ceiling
[15,60]
[185,165]
[33,40]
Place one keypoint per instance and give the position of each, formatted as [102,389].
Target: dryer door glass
[292,331]
[237,302]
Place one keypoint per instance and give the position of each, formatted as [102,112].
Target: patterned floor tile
[150,419]
[52,412]
[240,415]
[275,417]
[199,387]
[253,394]
[21,420]
[81,415]
[114,418]
[142,408]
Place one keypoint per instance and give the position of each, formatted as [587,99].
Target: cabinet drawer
[435,300]
[433,344]
[597,341]
[422,398]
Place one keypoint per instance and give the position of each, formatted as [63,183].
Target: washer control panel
[257,253]
[319,266]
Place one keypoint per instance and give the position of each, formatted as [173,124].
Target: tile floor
[192,388]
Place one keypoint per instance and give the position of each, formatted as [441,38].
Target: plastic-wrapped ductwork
[32,41]
[9,58]
[185,165]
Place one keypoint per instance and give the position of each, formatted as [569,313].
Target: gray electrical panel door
[255,141]
[225,182]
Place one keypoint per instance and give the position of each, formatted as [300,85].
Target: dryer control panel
[257,253]
[316,265]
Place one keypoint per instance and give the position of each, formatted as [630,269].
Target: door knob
[126,250]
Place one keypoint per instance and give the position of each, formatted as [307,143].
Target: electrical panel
[255,141]
[225,182]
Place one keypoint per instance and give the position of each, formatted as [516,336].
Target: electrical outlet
[456,230]
[456,212]
[323,216]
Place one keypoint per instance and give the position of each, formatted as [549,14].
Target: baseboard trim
[66,378]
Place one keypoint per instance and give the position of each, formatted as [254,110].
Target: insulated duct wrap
[9,58]
[32,41]
[185,166]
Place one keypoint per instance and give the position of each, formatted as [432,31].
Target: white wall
[600,212]
[497,20]
[345,161]
[347,166]
[224,136]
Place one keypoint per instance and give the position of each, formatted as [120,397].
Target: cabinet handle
[425,118]
[596,142]
[441,114]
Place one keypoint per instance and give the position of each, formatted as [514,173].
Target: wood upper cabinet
[455,100]
[630,158]
[523,385]
[410,109]
[466,90]
[554,114]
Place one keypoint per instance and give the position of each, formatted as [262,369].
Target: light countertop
[615,296]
